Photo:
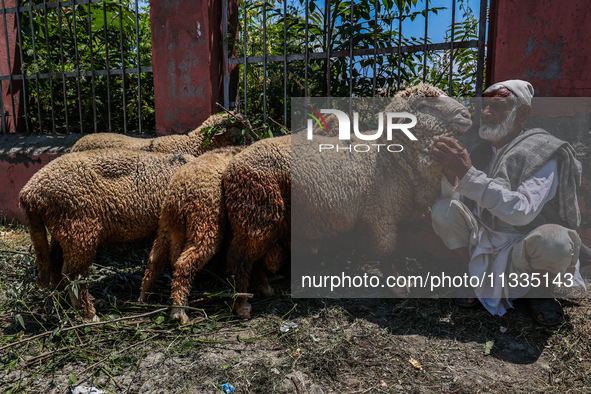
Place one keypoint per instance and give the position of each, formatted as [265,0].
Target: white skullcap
[521,89]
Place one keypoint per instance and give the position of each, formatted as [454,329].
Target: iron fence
[76,66]
[347,48]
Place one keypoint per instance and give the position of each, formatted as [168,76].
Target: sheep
[257,191]
[383,189]
[86,199]
[230,129]
[191,226]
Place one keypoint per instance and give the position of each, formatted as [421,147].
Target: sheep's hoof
[244,311]
[178,314]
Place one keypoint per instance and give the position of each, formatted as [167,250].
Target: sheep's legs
[241,256]
[39,240]
[184,269]
[156,262]
[272,262]
[77,261]
[384,243]
[56,258]
[260,281]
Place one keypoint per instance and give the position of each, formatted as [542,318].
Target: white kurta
[492,252]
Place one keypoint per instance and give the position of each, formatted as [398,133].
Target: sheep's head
[445,109]
[437,116]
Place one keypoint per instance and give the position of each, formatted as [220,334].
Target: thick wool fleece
[192,225]
[257,192]
[190,143]
[86,199]
[383,190]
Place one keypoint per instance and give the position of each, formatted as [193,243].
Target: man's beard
[496,132]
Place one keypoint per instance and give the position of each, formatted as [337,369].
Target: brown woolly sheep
[86,199]
[191,227]
[229,131]
[257,190]
[382,190]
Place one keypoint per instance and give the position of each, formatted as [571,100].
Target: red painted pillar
[10,64]
[548,43]
[187,61]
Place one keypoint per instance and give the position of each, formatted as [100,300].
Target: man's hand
[453,157]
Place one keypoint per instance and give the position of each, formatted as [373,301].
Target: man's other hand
[453,157]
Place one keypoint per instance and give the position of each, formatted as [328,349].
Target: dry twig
[287,131]
[98,323]
[120,351]
[248,128]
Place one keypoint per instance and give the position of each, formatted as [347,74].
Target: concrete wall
[15,173]
[548,43]
[21,156]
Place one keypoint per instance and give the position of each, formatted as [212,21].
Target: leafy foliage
[346,25]
[76,39]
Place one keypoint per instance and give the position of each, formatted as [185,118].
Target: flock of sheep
[200,196]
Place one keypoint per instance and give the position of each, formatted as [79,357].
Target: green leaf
[20,320]
[72,379]
[159,320]
[488,348]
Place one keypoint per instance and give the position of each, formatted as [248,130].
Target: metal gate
[332,47]
[76,66]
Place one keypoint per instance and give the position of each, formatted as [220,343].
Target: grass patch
[370,345]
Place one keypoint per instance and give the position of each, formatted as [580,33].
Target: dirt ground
[334,346]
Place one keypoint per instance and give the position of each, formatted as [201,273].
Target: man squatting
[518,207]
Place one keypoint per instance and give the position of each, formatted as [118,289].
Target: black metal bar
[328,44]
[351,57]
[63,64]
[426,33]
[139,75]
[123,68]
[360,52]
[2,114]
[451,49]
[37,7]
[284,62]
[481,48]
[245,62]
[9,72]
[50,65]
[399,57]
[265,62]
[225,50]
[36,79]
[128,70]
[92,81]
[77,68]
[375,46]
[107,67]
[306,55]
[25,97]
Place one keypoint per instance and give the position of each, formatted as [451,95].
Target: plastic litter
[288,326]
[227,387]
[86,390]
